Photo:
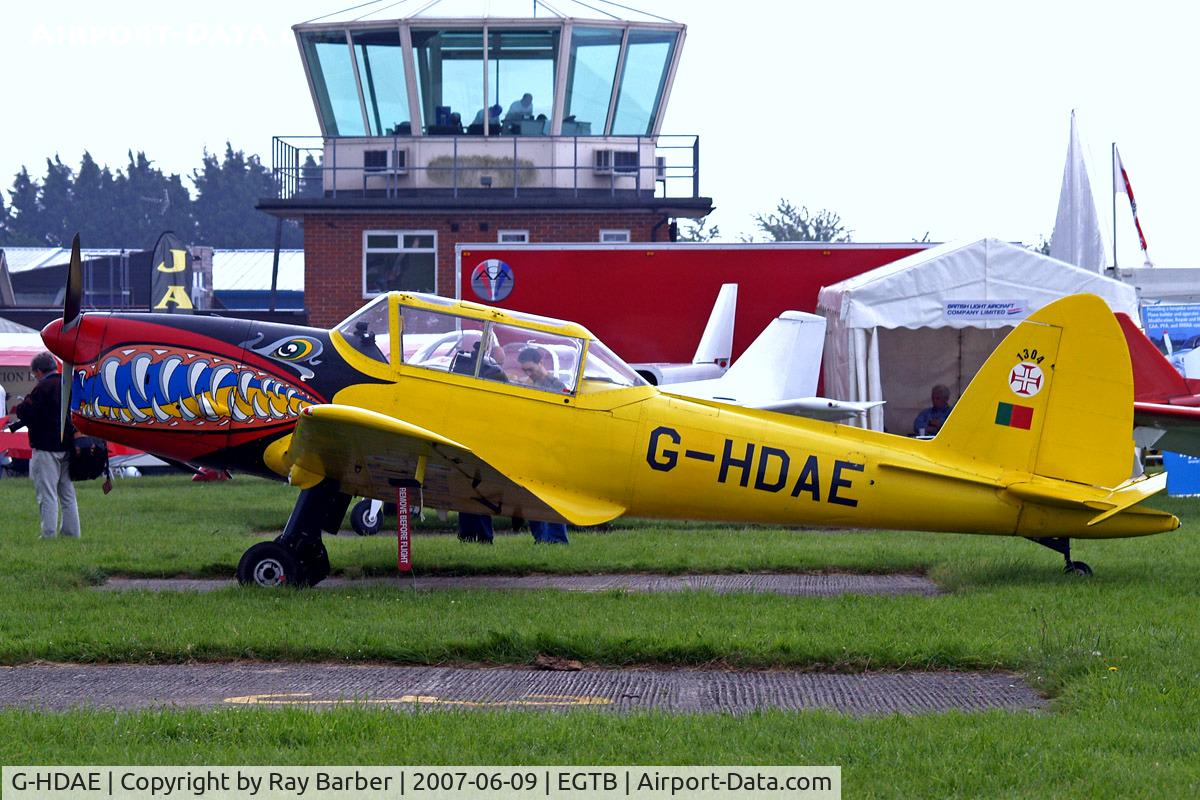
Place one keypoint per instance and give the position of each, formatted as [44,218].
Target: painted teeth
[138,367]
[244,385]
[164,375]
[206,407]
[210,390]
[108,374]
[219,374]
[137,413]
[193,375]
[159,414]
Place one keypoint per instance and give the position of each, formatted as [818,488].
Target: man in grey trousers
[39,411]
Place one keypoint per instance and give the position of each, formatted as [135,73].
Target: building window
[404,261]
[512,237]
[609,236]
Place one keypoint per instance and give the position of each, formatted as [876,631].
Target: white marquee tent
[935,316]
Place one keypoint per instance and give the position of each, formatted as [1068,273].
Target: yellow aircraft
[497,412]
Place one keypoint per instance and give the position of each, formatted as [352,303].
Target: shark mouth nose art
[170,387]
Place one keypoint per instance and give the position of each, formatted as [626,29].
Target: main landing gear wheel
[1061,544]
[365,518]
[270,564]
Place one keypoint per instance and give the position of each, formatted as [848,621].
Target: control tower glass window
[450,79]
[521,68]
[592,70]
[381,75]
[642,81]
[328,57]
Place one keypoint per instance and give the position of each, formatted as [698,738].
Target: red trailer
[650,301]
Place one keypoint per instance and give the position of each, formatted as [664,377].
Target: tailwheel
[1062,545]
[270,564]
[366,517]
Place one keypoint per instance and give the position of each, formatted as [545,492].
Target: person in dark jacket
[39,411]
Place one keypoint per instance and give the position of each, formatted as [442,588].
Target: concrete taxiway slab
[63,686]
[802,585]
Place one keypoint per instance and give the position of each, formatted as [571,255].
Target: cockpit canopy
[489,344]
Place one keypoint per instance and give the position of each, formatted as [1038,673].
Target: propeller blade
[73,299]
[72,308]
[68,376]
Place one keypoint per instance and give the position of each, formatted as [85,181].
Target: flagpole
[1114,204]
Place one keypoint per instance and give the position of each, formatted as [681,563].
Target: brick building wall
[333,245]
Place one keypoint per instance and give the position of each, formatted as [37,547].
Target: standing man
[530,360]
[48,465]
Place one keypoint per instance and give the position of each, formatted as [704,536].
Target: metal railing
[308,166]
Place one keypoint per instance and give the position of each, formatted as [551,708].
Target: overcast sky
[943,118]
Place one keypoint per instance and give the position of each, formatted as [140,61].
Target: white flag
[1076,238]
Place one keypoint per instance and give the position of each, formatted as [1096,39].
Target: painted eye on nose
[294,350]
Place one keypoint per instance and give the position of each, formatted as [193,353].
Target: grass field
[1119,654]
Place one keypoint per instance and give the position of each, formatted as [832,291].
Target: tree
[149,203]
[226,193]
[55,202]
[24,225]
[699,232]
[791,224]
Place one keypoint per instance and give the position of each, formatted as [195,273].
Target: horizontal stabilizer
[1107,504]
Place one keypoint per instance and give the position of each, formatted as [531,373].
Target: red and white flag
[1121,183]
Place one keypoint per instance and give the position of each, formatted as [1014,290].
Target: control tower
[438,130]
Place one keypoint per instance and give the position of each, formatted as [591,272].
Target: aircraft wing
[819,408]
[371,454]
[811,407]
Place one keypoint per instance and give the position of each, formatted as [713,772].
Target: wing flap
[370,454]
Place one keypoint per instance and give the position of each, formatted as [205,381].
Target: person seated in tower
[520,109]
[493,115]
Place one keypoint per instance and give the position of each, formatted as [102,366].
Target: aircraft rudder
[1154,379]
[1054,399]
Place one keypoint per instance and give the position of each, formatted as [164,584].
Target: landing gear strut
[297,557]
[1061,544]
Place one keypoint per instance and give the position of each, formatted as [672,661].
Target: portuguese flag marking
[1014,416]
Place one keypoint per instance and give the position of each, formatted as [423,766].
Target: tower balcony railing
[398,167]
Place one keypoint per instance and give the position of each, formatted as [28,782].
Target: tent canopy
[935,316]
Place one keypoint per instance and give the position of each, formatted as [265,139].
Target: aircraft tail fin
[1055,398]
[784,362]
[1154,379]
[716,343]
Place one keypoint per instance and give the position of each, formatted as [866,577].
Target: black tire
[270,564]
[1079,569]
[360,519]
[314,563]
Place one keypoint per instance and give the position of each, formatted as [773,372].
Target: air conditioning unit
[385,162]
[622,162]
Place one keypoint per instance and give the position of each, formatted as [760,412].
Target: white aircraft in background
[713,354]
[778,372]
